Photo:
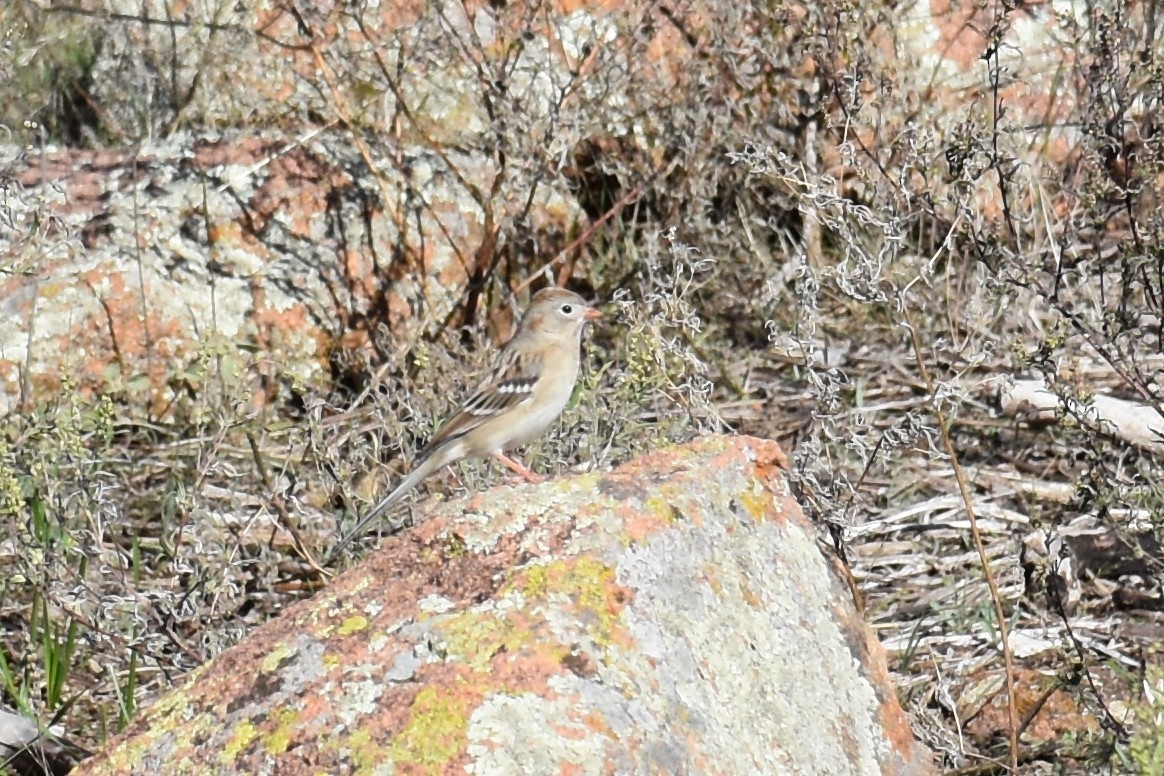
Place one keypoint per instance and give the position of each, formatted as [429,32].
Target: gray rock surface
[673,616]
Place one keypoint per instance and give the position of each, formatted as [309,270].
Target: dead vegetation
[824,254]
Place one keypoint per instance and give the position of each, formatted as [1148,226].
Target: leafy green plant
[40,686]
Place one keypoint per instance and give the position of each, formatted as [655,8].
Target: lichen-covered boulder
[673,616]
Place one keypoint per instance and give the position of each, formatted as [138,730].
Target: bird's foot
[519,469]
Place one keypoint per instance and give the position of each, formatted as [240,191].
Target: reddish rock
[673,616]
[254,250]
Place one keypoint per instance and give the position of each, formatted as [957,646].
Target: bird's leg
[517,468]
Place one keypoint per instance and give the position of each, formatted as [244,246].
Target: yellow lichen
[244,734]
[359,748]
[280,739]
[173,703]
[536,582]
[757,505]
[436,731]
[455,546]
[659,507]
[476,636]
[353,624]
[276,657]
[588,583]
[129,758]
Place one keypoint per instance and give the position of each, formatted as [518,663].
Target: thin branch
[979,546]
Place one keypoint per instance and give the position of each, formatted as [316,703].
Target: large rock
[193,249]
[286,254]
[673,616]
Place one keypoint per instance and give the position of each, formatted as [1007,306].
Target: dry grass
[749,289]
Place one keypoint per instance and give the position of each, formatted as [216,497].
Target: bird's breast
[546,403]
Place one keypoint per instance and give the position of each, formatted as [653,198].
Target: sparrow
[532,379]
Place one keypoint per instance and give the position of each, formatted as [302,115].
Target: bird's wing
[510,384]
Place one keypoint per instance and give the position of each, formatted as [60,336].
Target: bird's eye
[567,309]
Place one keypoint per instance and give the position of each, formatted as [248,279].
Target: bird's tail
[422,470]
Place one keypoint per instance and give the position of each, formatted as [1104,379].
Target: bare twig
[976,535]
